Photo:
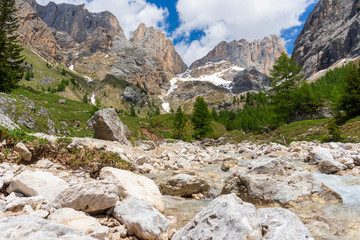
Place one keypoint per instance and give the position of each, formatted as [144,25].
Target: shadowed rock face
[249,79]
[260,54]
[331,33]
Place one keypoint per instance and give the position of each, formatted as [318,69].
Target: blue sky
[197,26]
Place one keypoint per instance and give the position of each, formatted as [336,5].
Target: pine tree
[285,79]
[179,128]
[201,119]
[11,69]
[350,99]
[27,75]
[132,111]
[85,98]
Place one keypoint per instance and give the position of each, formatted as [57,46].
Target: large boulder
[79,220]
[228,217]
[141,219]
[6,122]
[183,185]
[130,184]
[319,154]
[107,126]
[276,182]
[37,183]
[132,94]
[93,196]
[23,151]
[331,167]
[17,204]
[34,227]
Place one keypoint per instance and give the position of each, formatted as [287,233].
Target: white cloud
[233,20]
[130,13]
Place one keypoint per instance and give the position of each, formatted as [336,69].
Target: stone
[141,219]
[276,182]
[2,205]
[320,154]
[331,167]
[6,122]
[34,227]
[281,224]
[79,220]
[36,203]
[130,184]
[62,101]
[47,164]
[23,151]
[93,196]
[37,183]
[183,185]
[227,218]
[107,126]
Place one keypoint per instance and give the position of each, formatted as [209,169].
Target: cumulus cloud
[130,13]
[232,20]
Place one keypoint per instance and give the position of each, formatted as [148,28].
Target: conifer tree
[201,119]
[350,99]
[285,79]
[11,69]
[179,127]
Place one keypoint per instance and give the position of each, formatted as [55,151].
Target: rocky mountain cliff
[260,54]
[95,44]
[331,33]
[155,43]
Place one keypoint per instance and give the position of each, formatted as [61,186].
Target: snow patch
[92,99]
[88,79]
[72,67]
[166,107]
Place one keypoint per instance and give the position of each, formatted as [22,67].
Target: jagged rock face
[331,33]
[258,54]
[75,20]
[249,79]
[33,32]
[155,43]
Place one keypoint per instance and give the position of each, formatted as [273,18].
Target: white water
[92,99]
[166,107]
[347,186]
[72,68]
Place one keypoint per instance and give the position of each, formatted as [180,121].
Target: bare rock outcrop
[155,43]
[260,54]
[249,79]
[331,33]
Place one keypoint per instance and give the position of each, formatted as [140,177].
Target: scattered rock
[320,154]
[183,185]
[23,151]
[331,167]
[274,181]
[34,227]
[17,204]
[141,219]
[228,217]
[6,122]
[93,196]
[26,121]
[79,220]
[47,164]
[43,112]
[37,183]
[107,126]
[62,101]
[130,184]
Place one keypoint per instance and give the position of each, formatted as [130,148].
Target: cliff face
[154,42]
[75,20]
[96,44]
[260,54]
[331,33]
[34,33]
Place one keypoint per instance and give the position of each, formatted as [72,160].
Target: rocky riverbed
[178,190]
